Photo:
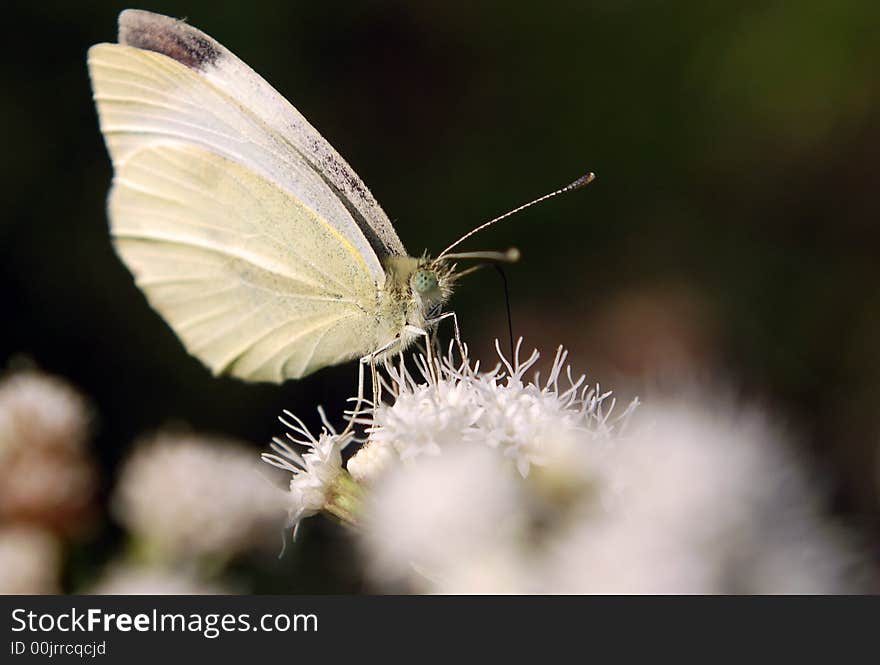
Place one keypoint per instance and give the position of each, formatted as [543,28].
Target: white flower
[535,424]
[518,425]
[36,408]
[426,417]
[427,517]
[483,481]
[189,496]
[46,475]
[704,498]
[318,481]
[530,423]
[469,462]
[30,561]
[504,570]
[122,579]
[373,459]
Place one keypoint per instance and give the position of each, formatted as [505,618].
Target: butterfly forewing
[223,70]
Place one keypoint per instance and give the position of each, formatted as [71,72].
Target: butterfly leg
[369,359]
[433,369]
[355,412]
[372,359]
[377,385]
[457,332]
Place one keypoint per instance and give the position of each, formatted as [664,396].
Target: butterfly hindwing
[253,282]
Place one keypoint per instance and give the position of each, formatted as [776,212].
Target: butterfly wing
[254,282]
[285,131]
[176,108]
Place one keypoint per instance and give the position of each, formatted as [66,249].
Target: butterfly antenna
[583,181]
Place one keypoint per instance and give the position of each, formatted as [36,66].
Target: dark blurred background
[732,233]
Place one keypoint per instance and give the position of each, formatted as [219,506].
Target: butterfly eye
[424,281]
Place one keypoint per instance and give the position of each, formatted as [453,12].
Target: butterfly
[246,231]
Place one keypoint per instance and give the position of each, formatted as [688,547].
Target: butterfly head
[431,285]
[421,286]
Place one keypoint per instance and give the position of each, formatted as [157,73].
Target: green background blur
[732,234]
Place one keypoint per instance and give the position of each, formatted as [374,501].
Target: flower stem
[344,499]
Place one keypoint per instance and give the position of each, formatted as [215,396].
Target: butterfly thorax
[414,292]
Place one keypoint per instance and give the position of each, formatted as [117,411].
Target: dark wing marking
[168,36]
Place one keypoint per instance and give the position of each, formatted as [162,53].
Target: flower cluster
[502,429]
[487,481]
[447,404]
[531,423]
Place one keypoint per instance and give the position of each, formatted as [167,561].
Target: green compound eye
[424,281]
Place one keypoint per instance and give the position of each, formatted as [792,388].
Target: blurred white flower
[705,498]
[30,561]
[425,518]
[504,570]
[38,408]
[46,475]
[189,496]
[485,482]
[132,580]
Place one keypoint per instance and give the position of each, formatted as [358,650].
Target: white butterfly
[253,238]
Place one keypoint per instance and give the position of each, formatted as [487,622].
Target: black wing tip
[169,36]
